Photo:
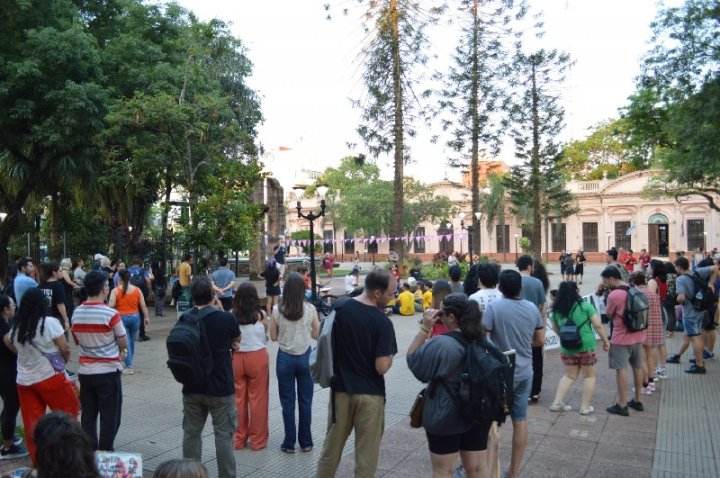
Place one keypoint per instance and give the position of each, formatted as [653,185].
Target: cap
[98,256]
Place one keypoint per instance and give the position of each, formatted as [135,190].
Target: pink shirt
[616,301]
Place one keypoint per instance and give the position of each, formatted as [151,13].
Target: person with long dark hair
[470,284]
[39,341]
[569,305]
[272,285]
[8,386]
[128,300]
[251,369]
[294,323]
[64,451]
[442,358]
[159,285]
[55,292]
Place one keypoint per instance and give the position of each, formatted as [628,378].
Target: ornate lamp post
[311,217]
[461,216]
[516,246]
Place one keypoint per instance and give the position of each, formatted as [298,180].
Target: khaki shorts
[621,355]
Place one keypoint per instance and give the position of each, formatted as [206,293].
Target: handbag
[55,358]
[416,411]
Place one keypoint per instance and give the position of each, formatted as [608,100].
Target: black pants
[101,395]
[537,365]
[226,303]
[672,319]
[11,403]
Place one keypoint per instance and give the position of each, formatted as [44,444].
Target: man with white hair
[97,266]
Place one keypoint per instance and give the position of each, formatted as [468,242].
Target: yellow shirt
[427,299]
[407,303]
[184,272]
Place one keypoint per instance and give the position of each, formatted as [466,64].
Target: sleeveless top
[252,337]
[129,303]
[294,335]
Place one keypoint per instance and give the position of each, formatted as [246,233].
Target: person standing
[580,261]
[534,291]
[55,292]
[364,348]
[515,323]
[11,448]
[38,340]
[216,396]
[625,346]
[280,253]
[329,264]
[251,369]
[100,333]
[128,300]
[272,285]
[159,285]
[644,260]
[487,274]
[184,274]
[23,279]
[141,278]
[78,273]
[293,324]
[223,281]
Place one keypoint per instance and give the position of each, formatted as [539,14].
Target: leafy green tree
[475,87]
[536,120]
[52,103]
[396,47]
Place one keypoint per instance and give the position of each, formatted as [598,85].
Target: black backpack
[486,383]
[189,355]
[570,332]
[138,280]
[703,299]
[637,309]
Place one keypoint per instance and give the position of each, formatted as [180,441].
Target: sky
[308,69]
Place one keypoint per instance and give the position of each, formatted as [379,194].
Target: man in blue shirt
[223,281]
[534,291]
[23,281]
[136,269]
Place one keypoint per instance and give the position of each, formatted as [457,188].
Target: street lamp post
[470,230]
[609,235]
[704,242]
[311,217]
[461,216]
[516,246]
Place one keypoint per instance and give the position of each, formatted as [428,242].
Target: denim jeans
[196,408]
[159,304]
[132,324]
[291,369]
[101,395]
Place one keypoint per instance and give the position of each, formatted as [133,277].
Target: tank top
[294,335]
[252,337]
[127,303]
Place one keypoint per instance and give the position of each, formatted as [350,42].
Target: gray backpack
[321,357]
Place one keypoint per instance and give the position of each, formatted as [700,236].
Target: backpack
[189,355]
[637,309]
[486,383]
[138,280]
[570,332]
[703,299]
[321,357]
[671,294]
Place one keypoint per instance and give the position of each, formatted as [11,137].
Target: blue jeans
[291,369]
[132,325]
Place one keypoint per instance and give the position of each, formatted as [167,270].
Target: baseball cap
[411,282]
[98,256]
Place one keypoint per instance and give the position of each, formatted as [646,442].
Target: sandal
[306,448]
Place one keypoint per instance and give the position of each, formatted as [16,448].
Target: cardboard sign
[113,464]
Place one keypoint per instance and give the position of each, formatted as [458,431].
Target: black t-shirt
[362,334]
[55,293]
[8,359]
[221,329]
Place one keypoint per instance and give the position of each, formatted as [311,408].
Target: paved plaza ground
[676,436]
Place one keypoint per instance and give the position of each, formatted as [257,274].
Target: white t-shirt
[252,337]
[484,296]
[34,367]
[350,281]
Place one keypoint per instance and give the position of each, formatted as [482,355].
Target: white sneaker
[587,411]
[560,407]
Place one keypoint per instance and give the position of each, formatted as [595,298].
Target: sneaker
[18,440]
[128,371]
[695,369]
[651,386]
[673,359]
[587,411]
[646,391]
[661,374]
[560,407]
[15,451]
[635,405]
[618,410]
[708,355]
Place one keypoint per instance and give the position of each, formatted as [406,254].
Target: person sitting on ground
[426,289]
[405,304]
[351,280]
[455,273]
[417,294]
[181,469]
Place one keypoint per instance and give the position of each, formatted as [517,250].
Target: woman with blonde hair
[129,301]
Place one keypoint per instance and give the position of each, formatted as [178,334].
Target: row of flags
[378,240]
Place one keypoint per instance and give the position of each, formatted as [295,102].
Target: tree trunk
[475,155]
[536,246]
[53,252]
[399,159]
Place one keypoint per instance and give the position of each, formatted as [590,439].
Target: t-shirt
[485,296]
[280,255]
[33,366]
[581,314]
[222,278]
[685,285]
[533,290]
[350,282]
[362,334]
[615,309]
[8,359]
[96,327]
[406,299]
[55,294]
[79,275]
[457,287]
[512,323]
[21,284]
[221,329]
[184,272]
[440,357]
[427,299]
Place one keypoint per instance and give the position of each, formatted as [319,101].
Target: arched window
[658,219]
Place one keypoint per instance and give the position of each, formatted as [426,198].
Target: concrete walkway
[675,437]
